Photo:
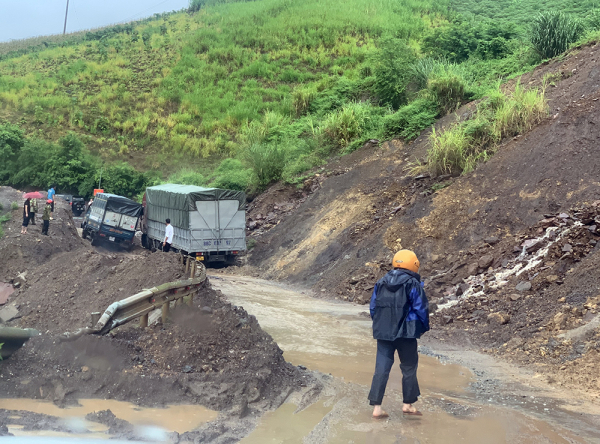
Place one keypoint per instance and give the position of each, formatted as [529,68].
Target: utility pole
[66,14]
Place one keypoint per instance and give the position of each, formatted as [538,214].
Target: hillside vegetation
[520,12]
[239,94]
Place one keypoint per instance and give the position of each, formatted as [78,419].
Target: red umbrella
[33,195]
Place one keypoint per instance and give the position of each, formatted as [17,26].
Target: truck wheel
[95,241]
[145,241]
[83,234]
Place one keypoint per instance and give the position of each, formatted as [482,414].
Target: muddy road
[480,401]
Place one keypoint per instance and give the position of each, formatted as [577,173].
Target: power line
[66,14]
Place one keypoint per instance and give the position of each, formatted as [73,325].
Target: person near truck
[34,208]
[51,193]
[46,217]
[168,236]
[26,215]
[400,313]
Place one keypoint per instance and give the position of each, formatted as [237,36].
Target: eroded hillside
[341,235]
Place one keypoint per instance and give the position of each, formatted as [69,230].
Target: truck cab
[112,219]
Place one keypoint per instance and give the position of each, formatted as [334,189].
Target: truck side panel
[181,237]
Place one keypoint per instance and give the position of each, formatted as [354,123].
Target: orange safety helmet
[406,259]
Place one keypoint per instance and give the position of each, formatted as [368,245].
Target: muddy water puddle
[335,338]
[173,418]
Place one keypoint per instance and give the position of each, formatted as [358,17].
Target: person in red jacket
[400,313]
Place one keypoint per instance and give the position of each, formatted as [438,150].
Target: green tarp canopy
[175,201]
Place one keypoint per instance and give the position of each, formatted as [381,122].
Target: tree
[196,5]
[462,39]
[11,142]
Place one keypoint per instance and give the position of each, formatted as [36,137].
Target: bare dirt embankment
[338,234]
[213,353]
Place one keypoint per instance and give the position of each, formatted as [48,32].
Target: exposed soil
[58,298]
[21,253]
[340,239]
[212,353]
[539,316]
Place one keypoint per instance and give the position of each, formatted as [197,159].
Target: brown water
[173,418]
[336,338]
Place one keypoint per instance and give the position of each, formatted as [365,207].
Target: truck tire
[95,241]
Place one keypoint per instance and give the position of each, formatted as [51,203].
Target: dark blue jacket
[399,306]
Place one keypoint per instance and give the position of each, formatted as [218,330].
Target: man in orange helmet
[400,313]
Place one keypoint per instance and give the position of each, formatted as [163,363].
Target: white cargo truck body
[209,223]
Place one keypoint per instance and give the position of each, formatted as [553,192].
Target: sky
[21,19]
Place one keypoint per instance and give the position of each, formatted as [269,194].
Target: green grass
[459,148]
[239,94]
[3,219]
[212,84]
[520,12]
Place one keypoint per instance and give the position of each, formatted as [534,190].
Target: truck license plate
[111,238]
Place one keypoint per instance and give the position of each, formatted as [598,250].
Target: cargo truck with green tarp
[208,223]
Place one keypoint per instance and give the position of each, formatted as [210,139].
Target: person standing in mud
[168,236]
[46,217]
[400,313]
[26,215]
[34,208]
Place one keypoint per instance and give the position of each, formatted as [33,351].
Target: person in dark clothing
[46,217]
[34,209]
[400,313]
[26,215]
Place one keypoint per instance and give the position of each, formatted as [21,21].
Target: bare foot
[409,409]
[379,413]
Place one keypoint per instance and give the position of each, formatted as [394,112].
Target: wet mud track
[479,401]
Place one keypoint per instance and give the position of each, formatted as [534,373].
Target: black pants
[32,218]
[409,361]
[45,227]
[166,247]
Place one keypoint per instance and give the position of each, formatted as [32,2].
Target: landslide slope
[366,205]
[338,234]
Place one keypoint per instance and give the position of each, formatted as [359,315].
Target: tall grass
[552,32]
[521,12]
[459,149]
[3,219]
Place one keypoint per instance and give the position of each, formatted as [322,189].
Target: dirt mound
[214,354]
[22,253]
[59,296]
